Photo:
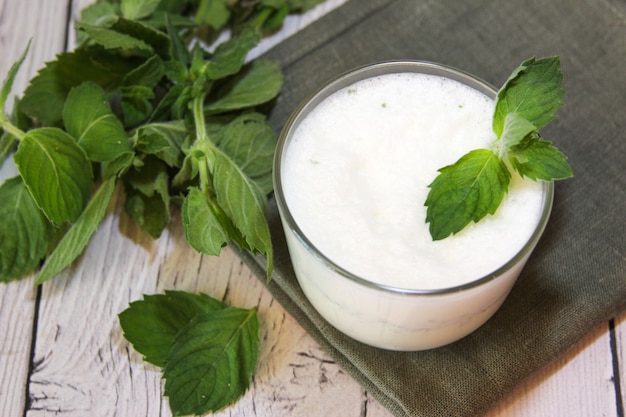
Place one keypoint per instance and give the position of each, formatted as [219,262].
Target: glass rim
[368,71]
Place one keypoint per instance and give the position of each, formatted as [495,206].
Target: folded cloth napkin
[576,278]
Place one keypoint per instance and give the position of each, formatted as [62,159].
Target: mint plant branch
[476,184]
[139,64]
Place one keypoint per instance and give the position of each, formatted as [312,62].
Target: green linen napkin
[576,278]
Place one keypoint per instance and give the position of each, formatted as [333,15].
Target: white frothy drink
[355,176]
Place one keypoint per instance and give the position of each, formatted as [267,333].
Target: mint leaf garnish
[212,361]
[534,91]
[475,185]
[466,191]
[537,159]
[515,129]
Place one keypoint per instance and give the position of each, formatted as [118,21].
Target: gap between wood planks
[35,327]
[617,383]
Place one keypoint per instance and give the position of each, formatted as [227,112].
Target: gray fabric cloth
[576,279]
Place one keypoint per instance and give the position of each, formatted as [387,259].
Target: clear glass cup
[383,316]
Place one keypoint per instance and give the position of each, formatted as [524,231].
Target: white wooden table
[62,352]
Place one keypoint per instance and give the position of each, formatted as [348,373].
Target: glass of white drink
[351,175]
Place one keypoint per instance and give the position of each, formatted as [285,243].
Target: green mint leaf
[45,96]
[138,90]
[164,140]
[527,102]
[24,231]
[117,166]
[515,129]
[466,192]
[8,145]
[138,9]
[230,56]
[178,51]
[147,74]
[102,14]
[147,196]
[7,85]
[151,324]
[176,7]
[244,203]
[112,39]
[56,171]
[150,178]
[534,91]
[212,361]
[151,213]
[279,12]
[174,104]
[203,222]
[77,237]
[187,173]
[214,13]
[250,141]
[157,39]
[158,19]
[257,83]
[89,119]
[537,159]
[136,104]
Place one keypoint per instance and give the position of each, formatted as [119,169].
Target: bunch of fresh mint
[141,102]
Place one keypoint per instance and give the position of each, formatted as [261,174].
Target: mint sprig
[207,350]
[476,184]
[141,101]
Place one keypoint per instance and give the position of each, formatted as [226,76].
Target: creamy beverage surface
[355,178]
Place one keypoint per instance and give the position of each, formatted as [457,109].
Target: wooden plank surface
[20,20]
[82,366]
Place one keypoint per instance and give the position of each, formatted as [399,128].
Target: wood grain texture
[579,384]
[82,365]
[18,22]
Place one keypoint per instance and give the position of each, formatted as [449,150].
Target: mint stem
[10,129]
[198,116]
[202,136]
